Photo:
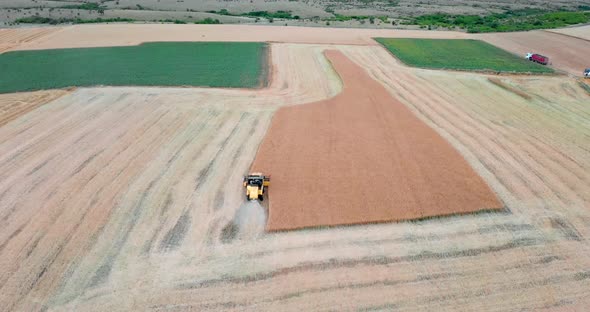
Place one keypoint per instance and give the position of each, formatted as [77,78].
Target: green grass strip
[458,54]
[207,64]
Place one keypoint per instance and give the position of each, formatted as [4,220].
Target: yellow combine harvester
[256,184]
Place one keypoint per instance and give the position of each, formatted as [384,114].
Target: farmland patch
[81,232]
[12,106]
[565,53]
[214,64]
[458,54]
[362,157]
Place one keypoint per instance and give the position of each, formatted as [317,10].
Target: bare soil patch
[362,157]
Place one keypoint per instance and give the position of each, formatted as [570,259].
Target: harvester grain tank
[256,185]
[538,58]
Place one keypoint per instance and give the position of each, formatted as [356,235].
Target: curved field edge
[362,132]
[458,54]
[211,64]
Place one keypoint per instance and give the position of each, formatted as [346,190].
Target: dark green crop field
[207,64]
[459,54]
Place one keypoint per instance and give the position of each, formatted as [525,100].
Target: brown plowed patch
[362,157]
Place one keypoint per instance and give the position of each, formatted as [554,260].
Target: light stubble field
[135,191]
[11,38]
[582,32]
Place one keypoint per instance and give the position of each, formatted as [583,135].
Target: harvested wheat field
[128,34]
[15,105]
[102,162]
[12,38]
[582,32]
[565,52]
[130,199]
[362,157]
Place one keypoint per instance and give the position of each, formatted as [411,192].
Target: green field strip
[204,64]
[458,54]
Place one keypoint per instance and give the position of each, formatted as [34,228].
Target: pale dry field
[15,105]
[582,32]
[95,170]
[121,199]
[11,38]
[132,34]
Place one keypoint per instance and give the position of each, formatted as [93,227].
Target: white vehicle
[587,73]
[528,56]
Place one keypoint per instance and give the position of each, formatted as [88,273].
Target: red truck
[534,57]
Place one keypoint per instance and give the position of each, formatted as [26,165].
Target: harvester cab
[587,73]
[256,185]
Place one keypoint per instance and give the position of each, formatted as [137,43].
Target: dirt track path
[362,157]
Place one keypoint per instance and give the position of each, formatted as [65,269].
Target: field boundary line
[566,35]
